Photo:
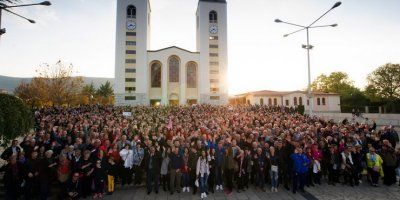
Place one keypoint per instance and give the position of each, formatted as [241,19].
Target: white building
[323,102]
[171,75]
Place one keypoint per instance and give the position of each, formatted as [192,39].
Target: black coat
[260,164]
[155,160]
[13,175]
[8,152]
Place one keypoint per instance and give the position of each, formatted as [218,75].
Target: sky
[82,32]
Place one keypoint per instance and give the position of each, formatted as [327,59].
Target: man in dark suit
[13,149]
[152,164]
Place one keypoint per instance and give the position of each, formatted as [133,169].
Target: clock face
[213,29]
[131,25]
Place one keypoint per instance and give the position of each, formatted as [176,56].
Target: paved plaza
[324,192]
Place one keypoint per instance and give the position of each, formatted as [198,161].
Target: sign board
[127,114]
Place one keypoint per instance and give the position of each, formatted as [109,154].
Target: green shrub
[15,118]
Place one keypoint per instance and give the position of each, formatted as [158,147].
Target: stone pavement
[140,193]
[324,192]
[362,192]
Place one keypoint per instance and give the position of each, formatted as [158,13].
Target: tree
[88,94]
[336,82]
[54,86]
[62,87]
[15,118]
[385,82]
[106,92]
[339,82]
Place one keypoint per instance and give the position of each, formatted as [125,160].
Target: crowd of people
[88,151]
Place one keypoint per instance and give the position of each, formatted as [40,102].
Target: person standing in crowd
[310,174]
[185,171]
[260,167]
[14,149]
[193,158]
[229,163]
[13,180]
[242,171]
[358,158]
[99,177]
[112,172]
[274,172]
[32,182]
[219,160]
[374,164]
[288,150]
[165,167]
[127,159]
[74,187]
[63,170]
[333,163]
[317,158]
[389,163]
[86,169]
[138,154]
[248,161]
[211,163]
[175,172]
[348,167]
[202,172]
[152,165]
[75,161]
[47,169]
[300,169]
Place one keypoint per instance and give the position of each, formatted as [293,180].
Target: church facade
[172,75]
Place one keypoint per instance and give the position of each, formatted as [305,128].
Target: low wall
[380,119]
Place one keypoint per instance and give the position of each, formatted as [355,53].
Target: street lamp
[308,47]
[6,8]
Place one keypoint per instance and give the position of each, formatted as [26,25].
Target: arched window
[318,101]
[213,16]
[156,75]
[262,101]
[269,101]
[300,101]
[275,102]
[295,101]
[131,11]
[191,75]
[323,101]
[173,66]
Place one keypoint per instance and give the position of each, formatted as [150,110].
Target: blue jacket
[219,156]
[300,163]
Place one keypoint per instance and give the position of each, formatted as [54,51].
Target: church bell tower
[212,43]
[132,42]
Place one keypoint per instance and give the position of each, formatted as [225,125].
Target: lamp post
[6,8]
[308,47]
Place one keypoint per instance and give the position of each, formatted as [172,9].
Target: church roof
[182,49]
[214,1]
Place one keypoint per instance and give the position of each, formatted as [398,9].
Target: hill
[9,83]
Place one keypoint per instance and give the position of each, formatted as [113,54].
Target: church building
[172,75]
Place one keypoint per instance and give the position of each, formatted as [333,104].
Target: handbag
[196,183]
[274,168]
